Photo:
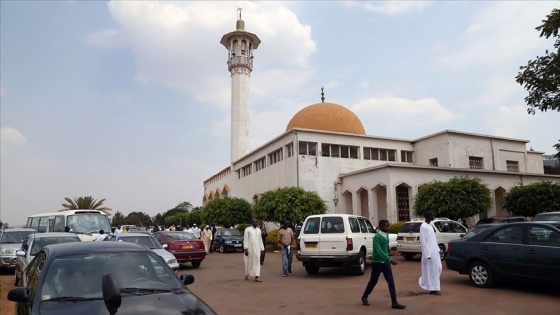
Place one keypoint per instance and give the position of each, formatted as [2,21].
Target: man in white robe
[431,263]
[253,246]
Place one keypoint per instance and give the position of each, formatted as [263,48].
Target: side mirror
[19,294]
[164,246]
[111,294]
[20,253]
[462,235]
[187,279]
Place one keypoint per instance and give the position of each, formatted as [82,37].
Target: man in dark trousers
[213,229]
[264,234]
[382,264]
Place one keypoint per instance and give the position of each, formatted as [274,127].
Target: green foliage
[227,211]
[241,227]
[272,238]
[457,198]
[292,204]
[86,202]
[396,227]
[554,170]
[528,200]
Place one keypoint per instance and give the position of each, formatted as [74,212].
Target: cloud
[388,7]
[10,136]
[176,44]
[389,115]
[106,38]
[2,91]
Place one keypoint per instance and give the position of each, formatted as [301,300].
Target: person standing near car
[213,230]
[431,262]
[253,248]
[285,239]
[381,263]
[264,234]
[207,238]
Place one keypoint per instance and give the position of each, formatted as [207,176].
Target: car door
[504,250]
[218,238]
[366,238]
[542,253]
[332,239]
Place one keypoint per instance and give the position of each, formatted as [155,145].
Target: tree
[459,197]
[528,200]
[292,204]
[227,211]
[85,203]
[541,77]
[138,218]
[118,219]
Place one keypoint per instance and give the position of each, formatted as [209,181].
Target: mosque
[325,149]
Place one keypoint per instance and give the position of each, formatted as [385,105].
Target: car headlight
[7,251]
[171,261]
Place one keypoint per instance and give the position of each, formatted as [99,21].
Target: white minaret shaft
[240,45]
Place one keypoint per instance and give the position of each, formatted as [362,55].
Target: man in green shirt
[382,264]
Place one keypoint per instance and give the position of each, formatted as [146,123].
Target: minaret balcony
[240,61]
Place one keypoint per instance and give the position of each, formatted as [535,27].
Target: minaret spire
[322,94]
[240,45]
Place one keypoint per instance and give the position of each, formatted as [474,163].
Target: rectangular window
[353,152]
[512,166]
[434,162]
[260,164]
[307,148]
[377,154]
[246,170]
[335,150]
[275,157]
[325,149]
[475,162]
[339,151]
[367,154]
[406,156]
[290,149]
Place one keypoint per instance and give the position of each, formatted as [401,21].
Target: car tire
[442,251]
[481,275]
[222,248]
[360,268]
[312,270]
[408,256]
[196,263]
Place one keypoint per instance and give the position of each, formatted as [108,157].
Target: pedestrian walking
[264,234]
[285,239]
[253,248]
[431,263]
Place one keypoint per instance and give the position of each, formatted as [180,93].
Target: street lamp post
[335,201]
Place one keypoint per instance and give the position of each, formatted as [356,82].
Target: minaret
[240,45]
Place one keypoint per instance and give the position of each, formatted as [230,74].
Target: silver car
[33,244]
[148,241]
[10,242]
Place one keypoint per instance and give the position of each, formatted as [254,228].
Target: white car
[148,241]
[408,238]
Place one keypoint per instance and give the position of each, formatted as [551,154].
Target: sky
[130,101]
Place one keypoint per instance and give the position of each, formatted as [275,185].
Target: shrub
[272,238]
[241,227]
[396,227]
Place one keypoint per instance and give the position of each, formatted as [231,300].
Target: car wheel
[222,248]
[360,269]
[481,275]
[442,252]
[312,269]
[408,256]
[196,263]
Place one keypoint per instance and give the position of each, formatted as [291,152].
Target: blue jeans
[376,269]
[287,260]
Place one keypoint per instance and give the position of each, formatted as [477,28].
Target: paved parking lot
[219,281]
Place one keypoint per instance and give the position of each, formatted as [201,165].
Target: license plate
[188,246]
[237,245]
[411,239]
[310,245]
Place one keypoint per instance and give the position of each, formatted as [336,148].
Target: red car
[185,246]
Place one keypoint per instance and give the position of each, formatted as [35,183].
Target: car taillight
[400,238]
[349,244]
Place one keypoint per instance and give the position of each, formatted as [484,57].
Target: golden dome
[328,117]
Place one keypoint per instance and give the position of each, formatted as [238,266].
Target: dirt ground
[219,281]
[6,283]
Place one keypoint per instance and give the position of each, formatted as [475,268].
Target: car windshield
[39,243]
[79,277]
[147,241]
[180,236]
[88,223]
[14,237]
[547,217]
[477,229]
[231,233]
[411,227]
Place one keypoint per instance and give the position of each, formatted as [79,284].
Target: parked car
[33,244]
[104,278]
[501,220]
[408,239]
[183,245]
[479,228]
[147,241]
[524,251]
[335,240]
[10,242]
[547,216]
[226,240]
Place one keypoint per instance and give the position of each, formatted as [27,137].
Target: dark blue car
[521,251]
[104,278]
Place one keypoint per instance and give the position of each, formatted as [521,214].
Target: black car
[501,220]
[521,251]
[104,278]
[547,216]
[226,240]
[478,229]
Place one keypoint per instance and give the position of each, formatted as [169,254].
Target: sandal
[257,279]
[246,278]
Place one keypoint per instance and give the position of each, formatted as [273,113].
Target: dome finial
[322,94]
[239,11]
[240,25]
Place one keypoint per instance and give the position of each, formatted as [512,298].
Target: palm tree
[85,203]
